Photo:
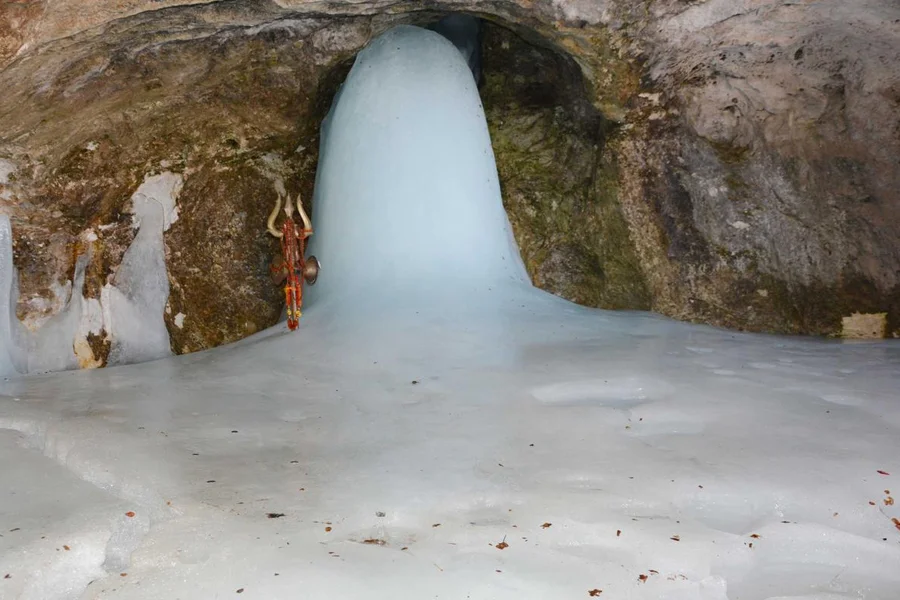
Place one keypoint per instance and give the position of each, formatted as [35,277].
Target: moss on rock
[559,189]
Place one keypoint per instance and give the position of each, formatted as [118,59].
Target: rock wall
[765,183]
[559,180]
[234,110]
[728,162]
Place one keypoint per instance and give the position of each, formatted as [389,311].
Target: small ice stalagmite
[407,205]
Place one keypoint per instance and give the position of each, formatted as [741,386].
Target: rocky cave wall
[733,163]
[558,180]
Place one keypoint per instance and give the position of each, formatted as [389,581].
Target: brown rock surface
[734,163]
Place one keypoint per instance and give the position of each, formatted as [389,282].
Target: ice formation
[428,211]
[129,312]
[9,352]
[51,347]
[140,290]
[452,432]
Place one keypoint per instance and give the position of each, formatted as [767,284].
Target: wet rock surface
[734,163]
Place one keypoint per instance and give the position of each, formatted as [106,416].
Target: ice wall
[426,215]
[50,347]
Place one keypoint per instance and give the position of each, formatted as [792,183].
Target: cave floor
[530,450]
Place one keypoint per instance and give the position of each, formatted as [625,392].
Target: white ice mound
[407,200]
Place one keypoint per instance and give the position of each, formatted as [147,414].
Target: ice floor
[437,428]
[550,453]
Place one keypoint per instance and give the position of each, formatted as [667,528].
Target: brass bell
[311,270]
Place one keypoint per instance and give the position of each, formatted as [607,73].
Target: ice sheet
[480,440]
[54,525]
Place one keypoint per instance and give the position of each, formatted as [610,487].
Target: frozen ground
[404,454]
[439,429]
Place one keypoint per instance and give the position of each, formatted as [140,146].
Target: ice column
[8,349]
[137,299]
[407,201]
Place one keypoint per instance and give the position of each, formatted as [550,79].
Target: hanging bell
[311,270]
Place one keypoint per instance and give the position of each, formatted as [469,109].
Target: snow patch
[273,168]
[589,11]
[652,98]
